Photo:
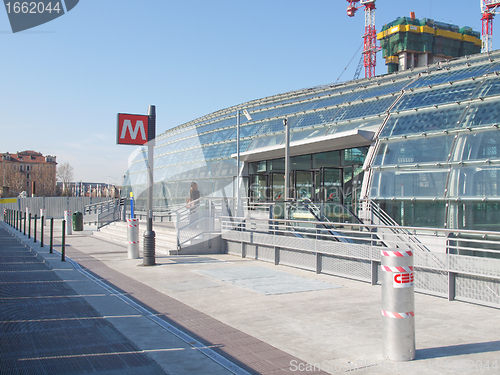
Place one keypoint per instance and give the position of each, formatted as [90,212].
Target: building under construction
[409,42]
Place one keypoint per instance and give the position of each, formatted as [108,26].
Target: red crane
[370,37]
[488,9]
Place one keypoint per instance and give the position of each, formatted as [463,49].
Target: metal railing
[104,213]
[53,206]
[456,264]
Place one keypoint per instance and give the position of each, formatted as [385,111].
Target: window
[421,150]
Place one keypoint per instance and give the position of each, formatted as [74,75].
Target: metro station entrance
[331,177]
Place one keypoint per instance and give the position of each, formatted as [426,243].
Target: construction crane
[370,37]
[488,9]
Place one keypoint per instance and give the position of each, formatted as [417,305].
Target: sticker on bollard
[403,280]
[398,315]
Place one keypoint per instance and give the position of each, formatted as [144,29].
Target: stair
[165,235]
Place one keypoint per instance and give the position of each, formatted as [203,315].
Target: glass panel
[258,188]
[224,135]
[428,97]
[249,130]
[483,114]
[306,134]
[489,88]
[213,152]
[326,159]
[416,214]
[271,140]
[478,146]
[420,150]
[477,182]
[408,184]
[261,166]
[448,76]
[365,109]
[355,155]
[277,164]
[303,185]
[373,124]
[427,120]
[300,162]
[252,168]
[270,126]
[484,216]
[331,187]
[278,184]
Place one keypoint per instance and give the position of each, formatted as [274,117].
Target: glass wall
[435,161]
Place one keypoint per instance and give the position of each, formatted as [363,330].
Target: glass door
[277,186]
[259,188]
[303,184]
[331,189]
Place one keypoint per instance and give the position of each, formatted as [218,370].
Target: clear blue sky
[63,83]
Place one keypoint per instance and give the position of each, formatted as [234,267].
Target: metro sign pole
[139,130]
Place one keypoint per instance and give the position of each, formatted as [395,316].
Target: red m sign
[132,129]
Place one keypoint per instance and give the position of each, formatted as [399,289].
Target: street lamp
[238,181]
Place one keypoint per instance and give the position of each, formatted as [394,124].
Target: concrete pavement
[223,314]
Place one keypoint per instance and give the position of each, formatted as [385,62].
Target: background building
[89,189]
[29,172]
[408,42]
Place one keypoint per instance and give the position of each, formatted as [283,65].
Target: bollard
[42,213]
[63,248]
[133,238]
[20,224]
[67,220]
[24,219]
[51,234]
[148,258]
[29,225]
[16,220]
[42,224]
[34,232]
[398,305]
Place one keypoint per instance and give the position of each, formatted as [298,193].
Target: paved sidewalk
[267,319]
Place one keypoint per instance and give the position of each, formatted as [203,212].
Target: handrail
[449,234]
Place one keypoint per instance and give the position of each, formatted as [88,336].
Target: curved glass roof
[443,99]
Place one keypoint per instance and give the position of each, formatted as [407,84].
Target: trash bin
[77,221]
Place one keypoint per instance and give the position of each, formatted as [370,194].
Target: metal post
[149,234]
[24,219]
[398,305]
[51,234]
[287,166]
[34,232]
[238,197]
[131,205]
[29,226]
[63,248]
[42,220]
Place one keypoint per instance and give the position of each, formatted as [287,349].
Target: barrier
[398,328]
[133,238]
[67,221]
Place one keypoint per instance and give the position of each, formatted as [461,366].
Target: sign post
[149,235]
[140,130]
